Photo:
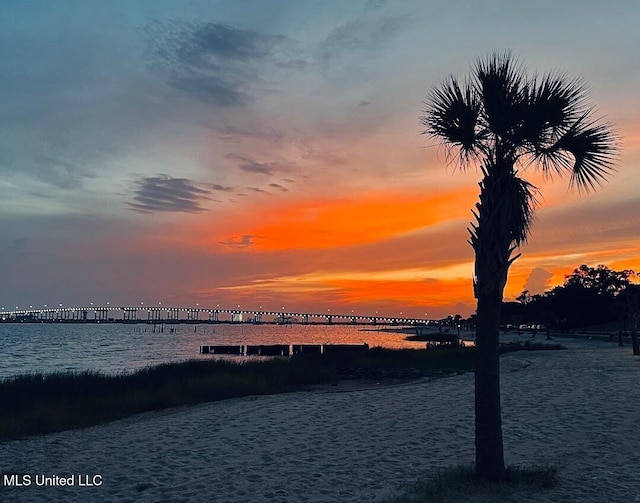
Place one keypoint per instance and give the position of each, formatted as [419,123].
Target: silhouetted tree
[500,119]
[524,297]
[579,306]
[601,279]
[587,297]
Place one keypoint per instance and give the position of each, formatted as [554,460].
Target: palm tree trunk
[489,448]
[492,244]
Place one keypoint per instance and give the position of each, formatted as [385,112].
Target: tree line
[590,296]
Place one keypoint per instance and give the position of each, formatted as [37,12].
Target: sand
[577,409]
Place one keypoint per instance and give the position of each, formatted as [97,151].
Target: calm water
[115,348]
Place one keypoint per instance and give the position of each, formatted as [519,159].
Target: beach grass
[36,404]
[460,484]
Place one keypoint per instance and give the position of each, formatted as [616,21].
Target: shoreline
[63,401]
[575,409]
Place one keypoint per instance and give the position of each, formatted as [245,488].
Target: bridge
[162,314]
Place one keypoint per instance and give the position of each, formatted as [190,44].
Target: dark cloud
[210,89]
[295,64]
[256,189]
[218,43]
[279,187]
[244,241]
[229,133]
[256,167]
[221,188]
[362,35]
[212,62]
[163,193]
[330,157]
[252,166]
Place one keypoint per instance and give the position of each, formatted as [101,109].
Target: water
[116,348]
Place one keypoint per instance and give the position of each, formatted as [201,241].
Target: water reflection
[116,348]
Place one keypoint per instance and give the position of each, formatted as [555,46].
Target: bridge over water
[162,314]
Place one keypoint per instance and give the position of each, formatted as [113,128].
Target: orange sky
[394,251]
[227,154]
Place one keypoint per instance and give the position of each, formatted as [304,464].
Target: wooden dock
[278,349]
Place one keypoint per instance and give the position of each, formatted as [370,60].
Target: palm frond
[593,147]
[503,117]
[522,202]
[451,115]
[559,99]
[500,83]
[553,103]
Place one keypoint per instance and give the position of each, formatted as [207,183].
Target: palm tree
[503,120]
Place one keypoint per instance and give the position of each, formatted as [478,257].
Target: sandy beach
[577,409]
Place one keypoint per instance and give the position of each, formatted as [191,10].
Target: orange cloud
[402,249]
[367,218]
[428,295]
[416,290]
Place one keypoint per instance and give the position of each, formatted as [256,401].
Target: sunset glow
[368,218]
[147,159]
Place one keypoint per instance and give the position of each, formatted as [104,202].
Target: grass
[460,484]
[38,404]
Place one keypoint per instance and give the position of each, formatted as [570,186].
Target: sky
[269,153]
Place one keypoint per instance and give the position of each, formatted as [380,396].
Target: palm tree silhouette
[503,120]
